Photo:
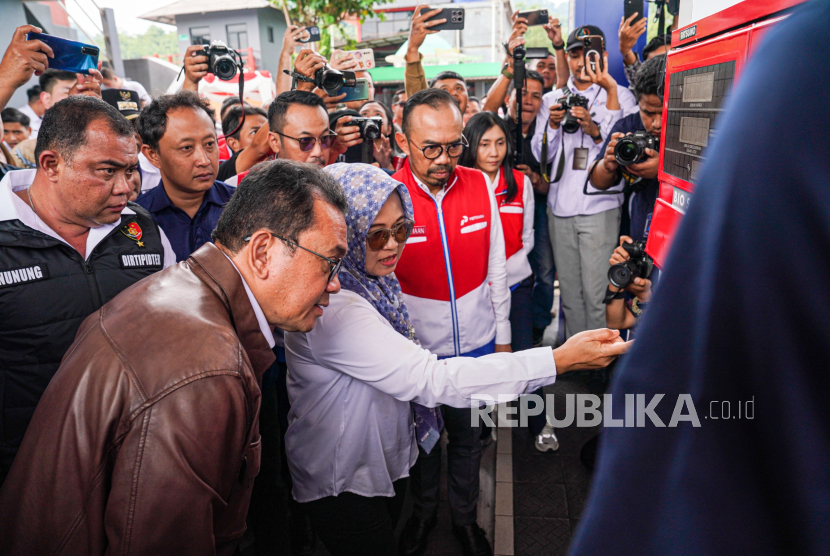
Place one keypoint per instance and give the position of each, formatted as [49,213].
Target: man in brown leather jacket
[147,439]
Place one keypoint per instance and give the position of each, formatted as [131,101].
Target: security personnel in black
[69,242]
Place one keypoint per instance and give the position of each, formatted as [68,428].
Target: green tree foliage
[153,41]
[327,14]
[536,36]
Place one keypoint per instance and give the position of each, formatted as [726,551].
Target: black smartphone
[360,91]
[535,17]
[313,34]
[594,51]
[536,52]
[73,56]
[632,7]
[454,17]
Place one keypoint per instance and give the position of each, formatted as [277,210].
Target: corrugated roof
[167,14]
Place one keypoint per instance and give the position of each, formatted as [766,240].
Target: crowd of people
[193,303]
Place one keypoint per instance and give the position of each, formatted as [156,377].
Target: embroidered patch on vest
[144,260]
[23,275]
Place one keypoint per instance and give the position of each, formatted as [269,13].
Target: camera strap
[561,167]
[588,179]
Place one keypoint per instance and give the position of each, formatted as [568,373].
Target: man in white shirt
[583,228]
[34,109]
[113,81]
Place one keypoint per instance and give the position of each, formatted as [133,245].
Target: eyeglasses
[307,143]
[334,264]
[377,239]
[454,150]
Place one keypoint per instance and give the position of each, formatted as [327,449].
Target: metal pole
[111,41]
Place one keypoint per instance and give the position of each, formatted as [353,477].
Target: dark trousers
[353,525]
[521,310]
[463,462]
[268,512]
[542,263]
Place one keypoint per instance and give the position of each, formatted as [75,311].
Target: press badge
[580,159]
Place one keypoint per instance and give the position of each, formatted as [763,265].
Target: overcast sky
[126,13]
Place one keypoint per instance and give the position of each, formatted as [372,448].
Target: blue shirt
[186,234]
[740,324]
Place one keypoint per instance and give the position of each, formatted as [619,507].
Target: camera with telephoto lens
[369,127]
[639,265]
[571,100]
[631,149]
[223,62]
[332,80]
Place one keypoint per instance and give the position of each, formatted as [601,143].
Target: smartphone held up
[73,56]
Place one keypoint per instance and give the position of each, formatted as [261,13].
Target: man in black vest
[69,242]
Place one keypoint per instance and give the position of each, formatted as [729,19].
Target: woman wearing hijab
[362,389]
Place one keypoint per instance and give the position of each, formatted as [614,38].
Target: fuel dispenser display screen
[696,99]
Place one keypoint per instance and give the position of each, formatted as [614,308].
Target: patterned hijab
[367,188]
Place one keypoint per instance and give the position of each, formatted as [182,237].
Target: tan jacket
[414,78]
[147,438]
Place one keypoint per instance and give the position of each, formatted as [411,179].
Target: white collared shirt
[566,197]
[264,327]
[150,175]
[350,381]
[13,207]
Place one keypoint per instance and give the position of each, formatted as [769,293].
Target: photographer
[641,177]
[583,229]
[622,312]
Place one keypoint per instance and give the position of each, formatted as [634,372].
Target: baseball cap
[124,100]
[576,36]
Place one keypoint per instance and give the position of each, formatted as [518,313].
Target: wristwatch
[560,47]
[505,72]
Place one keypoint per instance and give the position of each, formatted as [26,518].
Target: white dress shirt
[264,327]
[518,266]
[34,120]
[566,197]
[13,207]
[496,267]
[150,175]
[350,381]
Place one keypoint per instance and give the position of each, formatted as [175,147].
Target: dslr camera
[631,149]
[223,62]
[570,124]
[369,127]
[332,80]
[639,265]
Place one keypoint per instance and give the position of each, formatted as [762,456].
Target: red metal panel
[664,224]
[733,17]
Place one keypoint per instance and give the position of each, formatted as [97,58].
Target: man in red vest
[454,279]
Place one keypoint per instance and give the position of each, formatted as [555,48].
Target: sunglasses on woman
[307,143]
[377,239]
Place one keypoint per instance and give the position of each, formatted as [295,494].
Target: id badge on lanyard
[580,158]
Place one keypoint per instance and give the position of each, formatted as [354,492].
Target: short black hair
[533,75]
[231,120]
[64,126]
[278,196]
[228,103]
[398,94]
[434,98]
[657,42]
[33,93]
[474,99]
[14,116]
[152,122]
[647,79]
[447,75]
[50,77]
[281,104]
[107,73]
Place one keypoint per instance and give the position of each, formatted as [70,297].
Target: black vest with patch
[47,289]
